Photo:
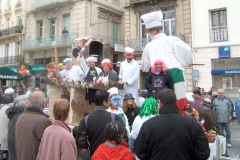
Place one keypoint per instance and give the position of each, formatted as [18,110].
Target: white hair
[20,100]
[221,90]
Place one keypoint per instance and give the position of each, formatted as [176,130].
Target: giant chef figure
[129,74]
[174,52]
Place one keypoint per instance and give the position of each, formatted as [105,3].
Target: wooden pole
[56,55]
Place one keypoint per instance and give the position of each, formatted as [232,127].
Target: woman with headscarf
[7,102]
[13,113]
[107,74]
[158,79]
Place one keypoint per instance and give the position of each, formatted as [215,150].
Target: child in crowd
[114,147]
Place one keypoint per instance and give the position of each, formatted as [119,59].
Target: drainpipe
[192,32]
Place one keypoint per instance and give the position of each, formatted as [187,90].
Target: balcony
[46,4]
[138,1]
[219,34]
[19,4]
[51,41]
[110,40]
[11,31]
[139,44]
[11,60]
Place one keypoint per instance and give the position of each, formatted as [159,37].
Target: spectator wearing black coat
[170,135]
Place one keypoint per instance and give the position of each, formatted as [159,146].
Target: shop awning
[8,74]
[225,71]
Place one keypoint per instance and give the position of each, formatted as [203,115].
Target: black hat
[128,96]
[75,51]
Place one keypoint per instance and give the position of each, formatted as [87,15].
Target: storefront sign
[38,67]
[119,48]
[224,71]
[224,52]
[8,77]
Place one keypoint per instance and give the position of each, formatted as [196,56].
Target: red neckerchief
[113,108]
[156,33]
[66,126]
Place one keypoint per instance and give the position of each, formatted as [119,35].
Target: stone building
[177,22]
[45,23]
[12,19]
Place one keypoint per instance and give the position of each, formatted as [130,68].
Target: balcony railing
[219,34]
[110,40]
[11,30]
[139,44]
[19,4]
[43,3]
[11,60]
[138,1]
[51,41]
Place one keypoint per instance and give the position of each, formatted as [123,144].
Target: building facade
[12,19]
[56,24]
[216,44]
[176,22]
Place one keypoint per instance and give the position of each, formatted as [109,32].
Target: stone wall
[78,106]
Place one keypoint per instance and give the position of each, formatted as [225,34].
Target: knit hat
[153,19]
[7,98]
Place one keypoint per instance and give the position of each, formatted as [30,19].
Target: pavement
[234,151]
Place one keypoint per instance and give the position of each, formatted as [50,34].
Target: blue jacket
[237,109]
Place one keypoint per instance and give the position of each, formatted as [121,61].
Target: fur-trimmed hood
[14,110]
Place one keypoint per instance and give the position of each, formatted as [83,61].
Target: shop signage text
[223,71]
[38,68]
[119,48]
[224,52]
[8,77]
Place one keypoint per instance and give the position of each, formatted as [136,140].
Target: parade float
[74,91]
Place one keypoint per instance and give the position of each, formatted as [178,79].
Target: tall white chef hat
[152,19]
[91,59]
[129,50]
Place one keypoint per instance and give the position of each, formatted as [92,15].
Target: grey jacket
[112,75]
[222,109]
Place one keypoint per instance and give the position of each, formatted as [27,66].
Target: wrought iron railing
[138,1]
[139,44]
[42,3]
[57,40]
[19,4]
[111,41]
[219,33]
[11,30]
[11,60]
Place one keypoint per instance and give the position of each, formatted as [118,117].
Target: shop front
[38,76]
[8,77]
[226,75]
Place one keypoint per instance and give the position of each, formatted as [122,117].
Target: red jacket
[112,153]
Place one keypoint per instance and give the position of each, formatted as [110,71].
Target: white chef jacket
[75,74]
[86,68]
[129,72]
[173,51]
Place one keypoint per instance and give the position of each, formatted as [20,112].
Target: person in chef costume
[91,75]
[71,72]
[174,52]
[129,74]
[107,74]
[116,102]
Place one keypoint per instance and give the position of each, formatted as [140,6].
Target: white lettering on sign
[8,77]
[233,72]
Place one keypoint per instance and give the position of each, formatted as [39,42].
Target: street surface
[234,151]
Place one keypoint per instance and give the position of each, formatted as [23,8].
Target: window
[116,1]
[19,20]
[8,23]
[218,29]
[40,29]
[52,29]
[169,24]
